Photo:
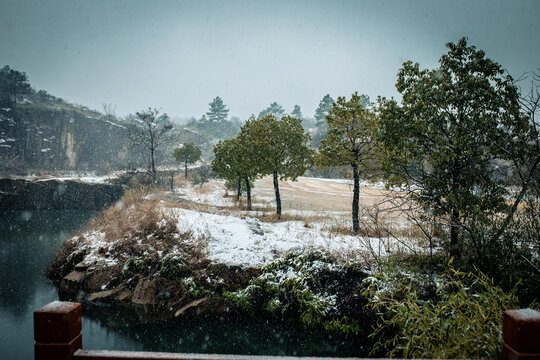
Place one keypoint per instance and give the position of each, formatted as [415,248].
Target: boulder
[204,306]
[83,266]
[123,295]
[70,285]
[96,280]
[102,296]
[192,305]
[144,292]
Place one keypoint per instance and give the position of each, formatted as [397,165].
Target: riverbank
[167,255]
[197,253]
[56,194]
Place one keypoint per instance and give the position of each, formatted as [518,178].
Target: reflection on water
[228,335]
[28,240]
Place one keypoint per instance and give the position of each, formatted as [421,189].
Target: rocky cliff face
[59,136]
[47,138]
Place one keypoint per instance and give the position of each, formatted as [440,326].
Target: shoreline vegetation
[154,256]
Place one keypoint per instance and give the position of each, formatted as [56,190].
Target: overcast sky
[178,55]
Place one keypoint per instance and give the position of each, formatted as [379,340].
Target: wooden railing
[58,325]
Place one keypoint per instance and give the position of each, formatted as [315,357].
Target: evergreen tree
[12,83]
[350,141]
[297,112]
[325,105]
[274,109]
[279,148]
[233,161]
[218,112]
[188,154]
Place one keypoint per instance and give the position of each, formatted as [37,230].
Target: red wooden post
[57,330]
[521,334]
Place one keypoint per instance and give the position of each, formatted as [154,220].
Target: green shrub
[202,175]
[194,290]
[173,267]
[134,265]
[463,321]
[304,283]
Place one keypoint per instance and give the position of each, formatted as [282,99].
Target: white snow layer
[235,241]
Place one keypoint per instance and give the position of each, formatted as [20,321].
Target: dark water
[28,240]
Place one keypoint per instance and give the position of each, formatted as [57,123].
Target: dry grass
[121,221]
[272,217]
[136,227]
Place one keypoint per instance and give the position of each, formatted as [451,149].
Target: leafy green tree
[151,132]
[226,163]
[274,109]
[233,162]
[279,148]
[187,154]
[453,123]
[12,83]
[350,141]
[297,112]
[218,112]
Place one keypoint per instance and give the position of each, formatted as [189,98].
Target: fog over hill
[178,55]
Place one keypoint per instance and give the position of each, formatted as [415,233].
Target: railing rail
[58,325]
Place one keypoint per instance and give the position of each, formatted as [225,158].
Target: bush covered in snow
[310,285]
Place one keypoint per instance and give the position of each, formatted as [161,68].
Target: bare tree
[151,132]
[109,110]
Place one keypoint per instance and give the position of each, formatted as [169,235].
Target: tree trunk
[454,214]
[248,193]
[356,199]
[278,198]
[454,235]
[239,189]
[154,174]
[185,169]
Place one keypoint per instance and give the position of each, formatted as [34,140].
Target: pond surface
[28,241]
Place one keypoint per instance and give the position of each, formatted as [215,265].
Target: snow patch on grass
[211,193]
[235,241]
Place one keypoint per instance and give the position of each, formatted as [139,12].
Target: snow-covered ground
[82,177]
[237,237]
[212,194]
[233,240]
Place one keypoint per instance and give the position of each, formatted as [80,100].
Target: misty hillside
[39,131]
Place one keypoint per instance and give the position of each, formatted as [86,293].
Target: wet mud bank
[20,194]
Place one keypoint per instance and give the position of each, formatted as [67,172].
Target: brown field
[315,194]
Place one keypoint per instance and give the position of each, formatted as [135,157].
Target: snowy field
[235,236]
[248,241]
